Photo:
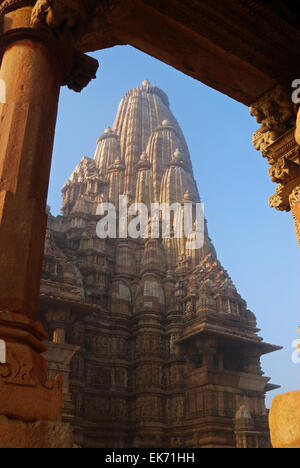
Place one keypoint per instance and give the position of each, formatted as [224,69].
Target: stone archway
[42,44]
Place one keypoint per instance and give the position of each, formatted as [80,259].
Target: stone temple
[156,346]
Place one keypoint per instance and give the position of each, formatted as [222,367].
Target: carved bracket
[64,17]
[59,24]
[275,112]
[283,170]
[67,20]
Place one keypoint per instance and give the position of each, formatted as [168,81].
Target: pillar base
[41,434]
[25,392]
[285,421]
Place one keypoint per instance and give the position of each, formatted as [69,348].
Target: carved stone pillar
[37,57]
[278,140]
[275,139]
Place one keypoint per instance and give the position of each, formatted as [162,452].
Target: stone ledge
[285,420]
[41,434]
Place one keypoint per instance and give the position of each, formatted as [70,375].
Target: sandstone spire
[107,151]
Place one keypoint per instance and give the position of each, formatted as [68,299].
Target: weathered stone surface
[42,434]
[285,420]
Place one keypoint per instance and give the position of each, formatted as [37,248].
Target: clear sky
[256,244]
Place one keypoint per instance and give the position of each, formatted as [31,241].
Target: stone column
[278,140]
[37,57]
[275,139]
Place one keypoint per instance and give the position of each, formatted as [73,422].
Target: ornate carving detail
[59,24]
[17,372]
[189,309]
[278,201]
[83,71]
[10,5]
[261,141]
[283,170]
[64,17]
[295,202]
[66,20]
[284,146]
[295,197]
[23,381]
[276,114]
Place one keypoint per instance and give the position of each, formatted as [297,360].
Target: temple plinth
[31,75]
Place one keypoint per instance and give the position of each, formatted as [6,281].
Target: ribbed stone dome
[177,181]
[107,151]
[140,112]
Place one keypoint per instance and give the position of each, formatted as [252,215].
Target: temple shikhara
[157,347]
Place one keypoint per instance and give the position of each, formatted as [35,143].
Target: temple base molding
[26,394]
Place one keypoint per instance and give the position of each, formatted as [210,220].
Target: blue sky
[256,244]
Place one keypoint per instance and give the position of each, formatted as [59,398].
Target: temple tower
[169,354]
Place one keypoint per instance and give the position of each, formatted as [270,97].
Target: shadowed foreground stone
[285,421]
[41,434]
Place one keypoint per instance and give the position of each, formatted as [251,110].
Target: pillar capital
[276,113]
[57,24]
